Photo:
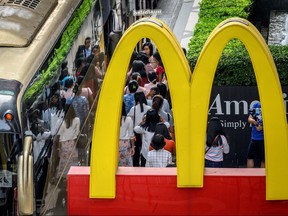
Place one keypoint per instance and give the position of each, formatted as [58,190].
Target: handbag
[82,141]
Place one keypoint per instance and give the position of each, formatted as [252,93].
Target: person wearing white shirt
[68,133]
[136,113]
[147,128]
[126,139]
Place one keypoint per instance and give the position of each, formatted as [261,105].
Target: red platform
[153,191]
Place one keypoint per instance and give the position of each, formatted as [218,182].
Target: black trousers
[138,146]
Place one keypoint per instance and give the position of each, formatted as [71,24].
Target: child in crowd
[159,157]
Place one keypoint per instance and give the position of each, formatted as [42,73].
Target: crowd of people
[147,127]
[146,101]
[67,110]
[147,106]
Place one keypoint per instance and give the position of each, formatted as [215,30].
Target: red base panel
[153,191]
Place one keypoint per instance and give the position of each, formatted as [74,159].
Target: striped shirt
[216,153]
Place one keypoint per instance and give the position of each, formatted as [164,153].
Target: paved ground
[170,11]
[181,16]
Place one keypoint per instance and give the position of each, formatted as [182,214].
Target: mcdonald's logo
[190,99]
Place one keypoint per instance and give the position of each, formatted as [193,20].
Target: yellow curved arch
[104,152]
[190,104]
[273,110]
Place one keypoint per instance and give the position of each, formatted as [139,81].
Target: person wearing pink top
[152,82]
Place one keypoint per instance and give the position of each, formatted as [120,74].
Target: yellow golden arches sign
[190,99]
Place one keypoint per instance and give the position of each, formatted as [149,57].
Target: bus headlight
[8,116]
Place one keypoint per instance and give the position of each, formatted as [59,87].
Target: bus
[39,40]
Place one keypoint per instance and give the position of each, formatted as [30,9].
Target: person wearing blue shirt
[256,146]
[129,99]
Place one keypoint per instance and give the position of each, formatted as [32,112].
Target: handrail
[25,179]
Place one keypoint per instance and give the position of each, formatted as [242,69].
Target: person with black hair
[147,128]
[157,104]
[68,93]
[139,109]
[91,76]
[79,65]
[169,142]
[158,157]
[97,58]
[155,91]
[136,113]
[256,150]
[216,144]
[81,106]
[126,139]
[94,56]
[152,82]
[158,66]
[142,56]
[129,99]
[85,90]
[139,66]
[135,76]
[64,70]
[148,49]
[163,92]
[84,51]
[68,132]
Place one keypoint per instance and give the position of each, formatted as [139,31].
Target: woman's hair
[155,89]
[162,89]
[141,99]
[157,102]
[136,76]
[142,56]
[69,116]
[157,56]
[139,66]
[151,119]
[157,141]
[150,45]
[133,86]
[69,83]
[152,77]
[214,129]
[161,128]
[123,113]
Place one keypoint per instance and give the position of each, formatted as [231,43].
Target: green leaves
[235,67]
[59,54]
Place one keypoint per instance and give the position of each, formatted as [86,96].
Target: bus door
[9,148]
[10,145]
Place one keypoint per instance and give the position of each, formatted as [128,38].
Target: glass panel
[76,86]
[10,147]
